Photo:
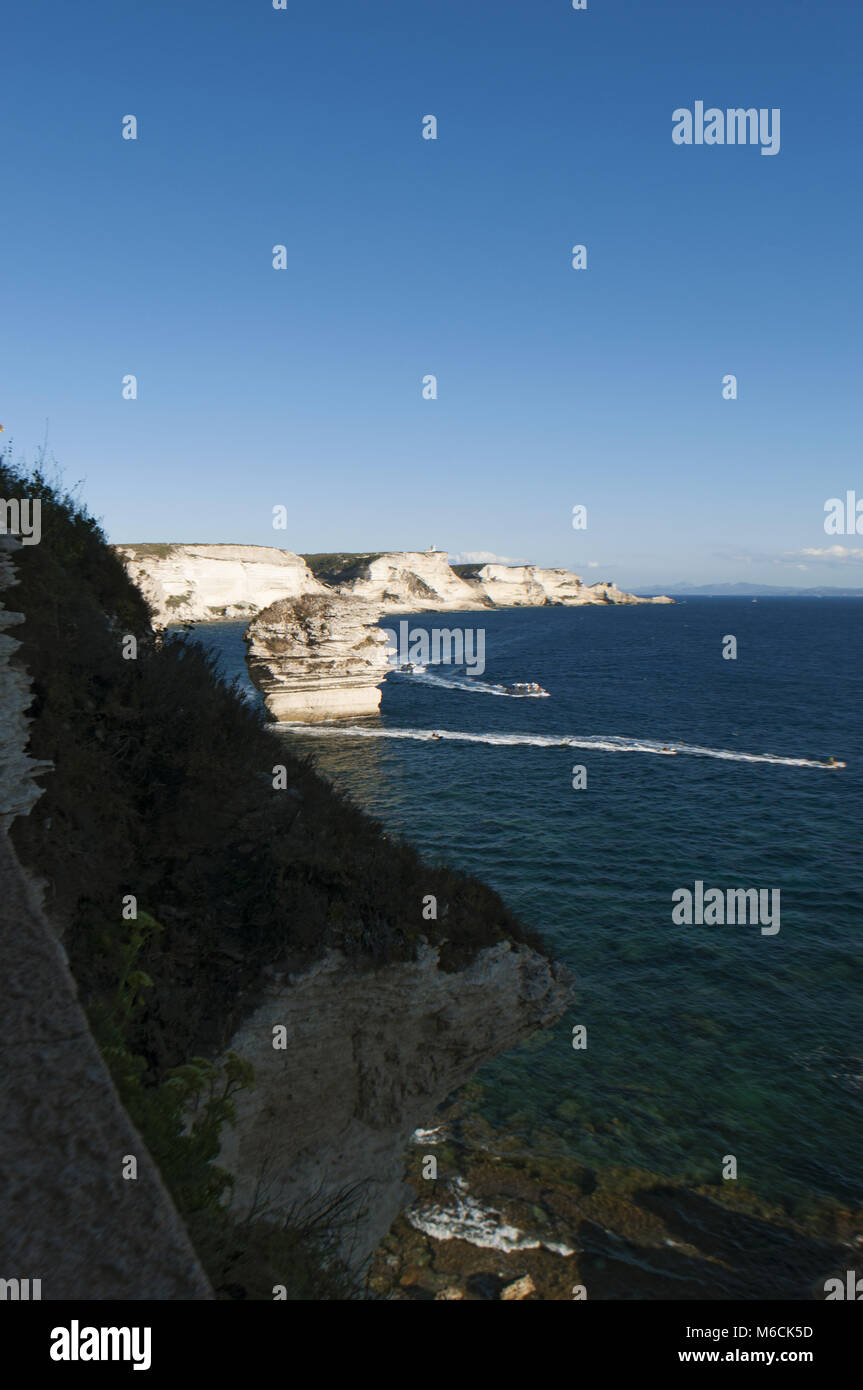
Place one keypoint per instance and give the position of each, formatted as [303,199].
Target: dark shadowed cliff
[190,894]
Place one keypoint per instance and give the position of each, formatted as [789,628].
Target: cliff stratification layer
[369,1058]
[208,583]
[320,656]
[414,581]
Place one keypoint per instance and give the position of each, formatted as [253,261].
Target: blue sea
[702,1041]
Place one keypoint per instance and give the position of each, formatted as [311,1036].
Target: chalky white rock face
[528,586]
[328,661]
[205,583]
[370,1056]
[318,657]
[413,581]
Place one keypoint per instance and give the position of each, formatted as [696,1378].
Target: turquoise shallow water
[702,1041]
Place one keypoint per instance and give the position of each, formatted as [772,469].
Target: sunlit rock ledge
[212,583]
[318,657]
[207,583]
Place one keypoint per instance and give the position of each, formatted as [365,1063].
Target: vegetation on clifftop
[163,788]
[339,567]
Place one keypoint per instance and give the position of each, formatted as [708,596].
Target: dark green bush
[162,788]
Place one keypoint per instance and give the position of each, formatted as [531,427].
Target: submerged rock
[520,1288]
[370,1056]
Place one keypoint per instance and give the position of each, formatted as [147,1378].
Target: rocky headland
[280,1012]
[209,583]
[212,583]
[167,904]
[370,1059]
[315,649]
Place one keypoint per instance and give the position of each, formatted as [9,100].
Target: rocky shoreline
[173,909]
[372,1054]
[501,1223]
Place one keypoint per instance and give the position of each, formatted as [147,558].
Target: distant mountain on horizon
[751,591]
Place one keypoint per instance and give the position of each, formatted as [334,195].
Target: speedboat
[832,762]
[525,688]
[409,669]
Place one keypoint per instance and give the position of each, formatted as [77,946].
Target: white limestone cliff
[413,581]
[370,1057]
[205,583]
[528,586]
[317,657]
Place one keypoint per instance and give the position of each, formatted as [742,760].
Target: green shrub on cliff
[339,568]
[162,788]
[181,1120]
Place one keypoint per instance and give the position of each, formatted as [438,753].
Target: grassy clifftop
[163,789]
[339,567]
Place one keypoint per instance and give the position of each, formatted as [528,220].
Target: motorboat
[525,688]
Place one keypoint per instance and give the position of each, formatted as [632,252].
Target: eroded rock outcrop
[206,583]
[413,581]
[424,581]
[318,657]
[528,586]
[369,1056]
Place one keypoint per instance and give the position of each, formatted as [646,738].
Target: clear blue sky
[406,257]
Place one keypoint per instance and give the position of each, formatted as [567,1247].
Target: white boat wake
[596,744]
[471,684]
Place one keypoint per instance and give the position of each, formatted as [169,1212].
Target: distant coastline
[753,591]
[191,582]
